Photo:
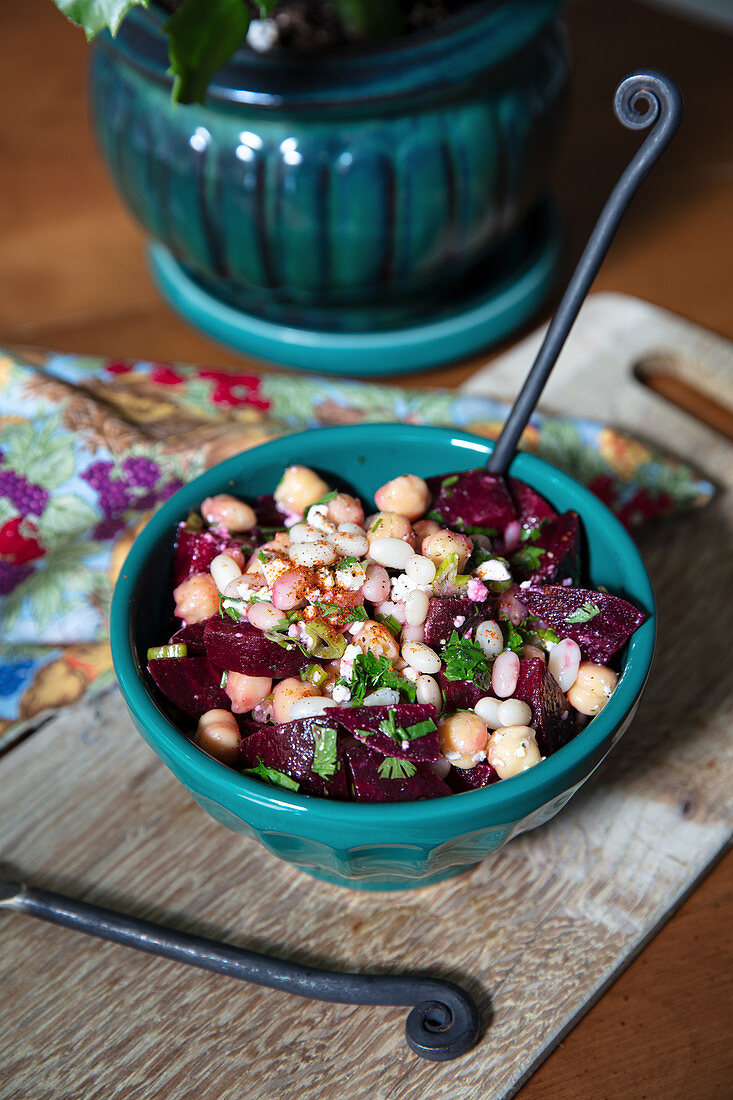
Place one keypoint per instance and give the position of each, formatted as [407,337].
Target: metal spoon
[643,98]
[443,1023]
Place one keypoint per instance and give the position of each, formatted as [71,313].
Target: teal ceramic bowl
[393,846]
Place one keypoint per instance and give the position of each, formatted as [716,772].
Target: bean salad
[443,643]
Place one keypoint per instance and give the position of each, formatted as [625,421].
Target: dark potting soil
[313,25]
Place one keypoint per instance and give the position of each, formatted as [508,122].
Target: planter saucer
[494,305]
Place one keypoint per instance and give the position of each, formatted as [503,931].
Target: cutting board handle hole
[661,372]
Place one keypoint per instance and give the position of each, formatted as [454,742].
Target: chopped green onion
[224,678]
[391,623]
[314,674]
[160,652]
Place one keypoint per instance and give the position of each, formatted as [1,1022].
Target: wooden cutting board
[535,933]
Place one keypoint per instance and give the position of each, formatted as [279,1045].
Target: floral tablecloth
[88,447]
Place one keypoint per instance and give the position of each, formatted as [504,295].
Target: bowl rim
[223,783]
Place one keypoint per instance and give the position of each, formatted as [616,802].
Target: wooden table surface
[73,277]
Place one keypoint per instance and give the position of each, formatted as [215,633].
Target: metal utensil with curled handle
[442,1025]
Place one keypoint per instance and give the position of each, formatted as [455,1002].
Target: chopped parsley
[528,559]
[346,563]
[547,637]
[419,729]
[376,525]
[513,640]
[531,534]
[584,614]
[448,481]
[370,673]
[261,555]
[273,776]
[224,678]
[469,529]
[465,660]
[325,756]
[394,768]
[323,500]
[401,733]
[227,609]
[352,615]
[435,517]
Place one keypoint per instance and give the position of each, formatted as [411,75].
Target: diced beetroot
[358,719]
[369,786]
[267,512]
[532,509]
[192,683]
[469,779]
[192,637]
[461,694]
[551,714]
[476,499]
[290,748]
[241,647]
[560,540]
[443,611]
[195,551]
[601,635]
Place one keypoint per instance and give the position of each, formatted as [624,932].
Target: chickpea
[390,525]
[345,509]
[462,738]
[423,528]
[288,692]
[512,749]
[377,639]
[441,544]
[197,598]
[218,734]
[246,692]
[299,488]
[228,511]
[593,688]
[407,495]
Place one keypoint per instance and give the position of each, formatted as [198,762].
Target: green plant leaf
[202,36]
[366,19]
[97,15]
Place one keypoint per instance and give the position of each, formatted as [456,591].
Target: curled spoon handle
[645,98]
[443,1022]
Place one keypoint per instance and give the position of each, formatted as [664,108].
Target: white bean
[224,570]
[414,633]
[394,553]
[351,529]
[421,570]
[489,638]
[264,616]
[505,674]
[310,707]
[416,608]
[513,712]
[389,607]
[564,662]
[350,545]
[428,691]
[376,586]
[384,697]
[304,532]
[421,657]
[312,554]
[488,709]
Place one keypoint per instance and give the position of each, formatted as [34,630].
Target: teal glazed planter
[394,846]
[344,192]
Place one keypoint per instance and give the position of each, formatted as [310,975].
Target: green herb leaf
[513,640]
[346,563]
[465,660]
[527,559]
[323,500]
[419,729]
[394,768]
[261,556]
[357,615]
[435,517]
[468,529]
[376,525]
[547,637]
[159,652]
[588,611]
[369,673]
[531,534]
[224,678]
[273,776]
[225,608]
[325,753]
[447,482]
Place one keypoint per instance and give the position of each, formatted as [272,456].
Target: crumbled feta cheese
[274,569]
[478,756]
[493,570]
[459,621]
[402,586]
[453,756]
[350,576]
[410,673]
[405,745]
[244,591]
[476,591]
[316,516]
[354,628]
[341,694]
[347,660]
[262,34]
